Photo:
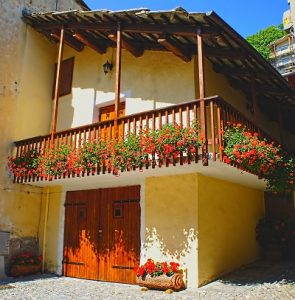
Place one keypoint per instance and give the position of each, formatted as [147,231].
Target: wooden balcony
[218,113]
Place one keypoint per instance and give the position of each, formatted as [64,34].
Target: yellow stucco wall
[154,80]
[53,197]
[35,93]
[26,70]
[170,221]
[20,208]
[228,214]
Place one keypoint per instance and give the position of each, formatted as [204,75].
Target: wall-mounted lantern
[107,67]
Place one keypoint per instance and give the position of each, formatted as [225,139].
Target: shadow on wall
[177,245]
[156,78]
[159,76]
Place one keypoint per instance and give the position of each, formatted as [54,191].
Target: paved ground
[262,280]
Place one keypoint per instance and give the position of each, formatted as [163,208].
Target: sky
[245,16]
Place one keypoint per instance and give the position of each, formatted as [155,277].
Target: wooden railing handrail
[217,100]
[218,113]
[261,131]
[107,122]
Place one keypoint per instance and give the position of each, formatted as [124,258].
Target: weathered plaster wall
[171,218]
[154,80]
[35,90]
[228,214]
[26,71]
[53,197]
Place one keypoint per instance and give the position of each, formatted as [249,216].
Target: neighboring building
[282,54]
[97,225]
[283,57]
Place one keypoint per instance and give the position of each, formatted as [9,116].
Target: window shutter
[66,77]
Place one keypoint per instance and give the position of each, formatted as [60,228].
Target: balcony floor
[215,169]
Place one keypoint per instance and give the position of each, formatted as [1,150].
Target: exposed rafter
[91,43]
[143,29]
[69,40]
[261,89]
[175,48]
[134,50]
[240,72]
[224,52]
[182,30]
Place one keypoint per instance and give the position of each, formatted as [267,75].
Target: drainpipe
[44,229]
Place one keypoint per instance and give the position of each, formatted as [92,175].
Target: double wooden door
[102,234]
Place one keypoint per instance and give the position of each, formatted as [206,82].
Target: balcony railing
[218,113]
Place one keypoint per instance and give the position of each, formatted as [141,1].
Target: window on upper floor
[66,77]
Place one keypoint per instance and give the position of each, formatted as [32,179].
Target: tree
[264,37]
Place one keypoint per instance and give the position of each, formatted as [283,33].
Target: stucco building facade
[203,217]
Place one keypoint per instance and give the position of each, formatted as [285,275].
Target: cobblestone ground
[262,280]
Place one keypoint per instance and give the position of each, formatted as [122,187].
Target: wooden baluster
[134,125]
[212,130]
[123,129]
[180,116]
[140,123]
[128,127]
[195,112]
[166,117]
[104,132]
[173,117]
[147,122]
[84,139]
[220,133]
[153,122]
[187,116]
[160,120]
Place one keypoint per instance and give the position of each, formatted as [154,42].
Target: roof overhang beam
[90,43]
[69,40]
[134,50]
[181,30]
[175,48]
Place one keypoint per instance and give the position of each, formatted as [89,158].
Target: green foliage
[263,38]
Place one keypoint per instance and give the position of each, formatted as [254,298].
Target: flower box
[162,282]
[21,270]
[25,264]
[160,275]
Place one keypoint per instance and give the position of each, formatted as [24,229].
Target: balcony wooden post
[202,96]
[56,88]
[118,78]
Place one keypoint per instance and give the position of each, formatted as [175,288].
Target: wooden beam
[134,50]
[56,88]
[175,48]
[260,89]
[118,77]
[182,30]
[225,53]
[202,98]
[90,43]
[69,40]
[241,72]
